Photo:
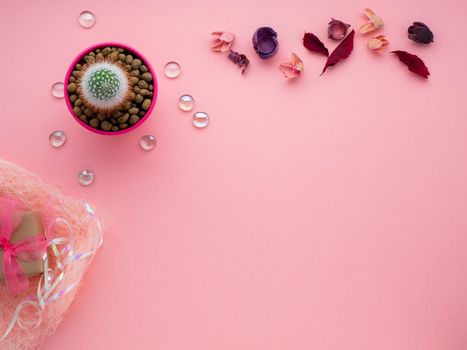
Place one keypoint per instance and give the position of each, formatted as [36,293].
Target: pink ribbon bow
[28,249]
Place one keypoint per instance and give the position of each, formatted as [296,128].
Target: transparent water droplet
[85,177]
[172,70]
[57,139]
[58,90]
[147,142]
[200,120]
[86,19]
[186,103]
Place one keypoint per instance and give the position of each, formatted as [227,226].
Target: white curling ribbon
[63,251]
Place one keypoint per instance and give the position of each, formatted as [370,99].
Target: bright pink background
[325,213]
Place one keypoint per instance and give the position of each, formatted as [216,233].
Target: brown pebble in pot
[134,119]
[146,104]
[106,126]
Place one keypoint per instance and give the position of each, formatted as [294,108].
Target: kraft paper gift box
[30,225]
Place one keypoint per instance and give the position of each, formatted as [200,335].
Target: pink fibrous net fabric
[82,232]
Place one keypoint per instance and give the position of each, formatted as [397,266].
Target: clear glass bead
[200,120]
[57,139]
[172,70]
[58,90]
[86,19]
[85,177]
[147,142]
[186,103]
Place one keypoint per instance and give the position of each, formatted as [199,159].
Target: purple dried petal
[240,60]
[420,33]
[265,42]
[337,29]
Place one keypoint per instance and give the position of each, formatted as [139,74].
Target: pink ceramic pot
[129,49]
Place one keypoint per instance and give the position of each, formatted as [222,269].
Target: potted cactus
[110,88]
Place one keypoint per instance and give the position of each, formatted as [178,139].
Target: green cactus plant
[104,86]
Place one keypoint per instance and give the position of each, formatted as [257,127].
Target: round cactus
[104,86]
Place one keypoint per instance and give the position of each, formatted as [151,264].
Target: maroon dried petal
[413,62]
[420,33]
[337,29]
[312,43]
[240,60]
[341,52]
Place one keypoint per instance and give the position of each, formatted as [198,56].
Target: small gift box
[22,247]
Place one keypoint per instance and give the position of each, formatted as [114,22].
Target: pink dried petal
[378,43]
[222,41]
[292,69]
[368,13]
[374,22]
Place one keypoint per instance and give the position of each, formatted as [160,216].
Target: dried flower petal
[312,43]
[420,33]
[265,42]
[239,59]
[222,41]
[413,62]
[378,43]
[341,52]
[293,68]
[337,29]
[374,22]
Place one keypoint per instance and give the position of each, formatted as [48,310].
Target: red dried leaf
[341,52]
[312,43]
[413,62]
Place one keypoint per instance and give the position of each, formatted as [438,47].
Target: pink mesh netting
[82,231]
